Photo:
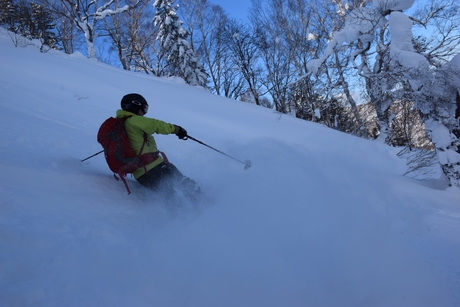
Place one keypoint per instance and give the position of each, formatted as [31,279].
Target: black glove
[180,132]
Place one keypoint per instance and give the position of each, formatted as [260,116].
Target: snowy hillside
[321,218]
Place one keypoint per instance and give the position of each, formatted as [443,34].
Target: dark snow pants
[165,177]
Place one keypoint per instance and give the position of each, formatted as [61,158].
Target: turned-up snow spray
[247,163]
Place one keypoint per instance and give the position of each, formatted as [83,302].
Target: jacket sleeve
[151,125]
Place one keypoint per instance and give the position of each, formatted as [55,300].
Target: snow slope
[322,218]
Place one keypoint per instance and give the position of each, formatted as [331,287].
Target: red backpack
[118,152]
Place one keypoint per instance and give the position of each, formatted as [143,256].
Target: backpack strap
[153,156]
[122,176]
[124,181]
[163,155]
[142,148]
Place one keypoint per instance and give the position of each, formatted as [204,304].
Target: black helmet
[133,103]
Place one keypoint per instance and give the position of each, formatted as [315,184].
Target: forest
[382,69]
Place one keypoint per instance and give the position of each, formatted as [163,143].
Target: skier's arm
[152,125]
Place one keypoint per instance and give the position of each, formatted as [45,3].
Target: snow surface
[321,218]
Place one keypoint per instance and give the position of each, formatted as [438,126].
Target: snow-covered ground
[322,218]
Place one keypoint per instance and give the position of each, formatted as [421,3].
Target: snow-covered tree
[85,15]
[439,105]
[401,71]
[180,56]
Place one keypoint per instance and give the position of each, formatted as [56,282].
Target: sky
[322,218]
[237,9]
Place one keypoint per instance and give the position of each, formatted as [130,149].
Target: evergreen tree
[180,56]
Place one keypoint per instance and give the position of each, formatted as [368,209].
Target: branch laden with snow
[401,73]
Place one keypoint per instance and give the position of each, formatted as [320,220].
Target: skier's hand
[180,132]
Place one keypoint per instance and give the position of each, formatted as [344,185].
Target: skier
[160,175]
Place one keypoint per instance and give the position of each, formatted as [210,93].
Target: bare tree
[407,128]
[276,57]
[437,30]
[193,15]
[31,21]
[241,41]
[293,33]
[9,15]
[131,35]
[224,77]
[5,7]
[420,162]
[85,14]
[68,34]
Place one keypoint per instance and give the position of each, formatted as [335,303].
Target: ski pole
[92,156]
[247,163]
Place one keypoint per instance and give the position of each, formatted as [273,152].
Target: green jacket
[135,127]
